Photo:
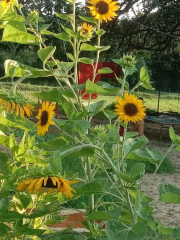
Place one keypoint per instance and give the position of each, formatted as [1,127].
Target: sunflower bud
[127,61]
[86,32]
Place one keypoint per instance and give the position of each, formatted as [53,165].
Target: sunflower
[130,109]
[5,4]
[44,115]
[35,185]
[103,9]
[20,108]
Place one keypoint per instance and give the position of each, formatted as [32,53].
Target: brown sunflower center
[49,184]
[130,109]
[128,60]
[102,7]
[84,31]
[44,118]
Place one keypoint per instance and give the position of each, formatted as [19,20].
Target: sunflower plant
[34,187]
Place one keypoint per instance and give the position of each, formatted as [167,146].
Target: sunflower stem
[124,79]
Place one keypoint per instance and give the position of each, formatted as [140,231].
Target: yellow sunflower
[5,4]
[45,115]
[130,109]
[86,29]
[35,185]
[21,109]
[103,9]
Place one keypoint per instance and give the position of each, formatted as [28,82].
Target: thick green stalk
[124,79]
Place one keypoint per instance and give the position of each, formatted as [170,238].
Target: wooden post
[158,99]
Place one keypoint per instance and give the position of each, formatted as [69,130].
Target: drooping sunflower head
[86,32]
[103,9]
[5,4]
[48,184]
[45,117]
[130,109]
[15,102]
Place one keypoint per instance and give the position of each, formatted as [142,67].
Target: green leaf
[162,230]
[4,229]
[76,151]
[16,69]
[140,155]
[4,163]
[126,84]
[89,188]
[67,17]
[116,231]
[62,36]
[97,107]
[100,32]
[109,114]
[144,76]
[104,89]
[68,237]
[88,47]
[16,121]
[172,134]
[137,170]
[24,229]
[50,208]
[69,31]
[176,234]
[11,216]
[55,162]
[113,136]
[86,60]
[16,32]
[46,53]
[4,204]
[10,15]
[132,144]
[155,154]
[66,66]
[70,56]
[147,85]
[24,199]
[130,134]
[105,70]
[54,95]
[136,173]
[169,193]
[52,144]
[99,215]
[116,213]
[89,19]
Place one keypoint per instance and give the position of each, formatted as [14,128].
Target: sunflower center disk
[44,118]
[102,7]
[130,109]
[84,31]
[49,184]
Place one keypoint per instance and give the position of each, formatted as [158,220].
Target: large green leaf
[169,193]
[88,47]
[140,155]
[132,144]
[16,69]
[62,36]
[54,95]
[144,76]
[52,144]
[136,173]
[172,134]
[89,188]
[16,121]
[97,107]
[69,31]
[100,88]
[116,230]
[176,233]
[10,15]
[16,32]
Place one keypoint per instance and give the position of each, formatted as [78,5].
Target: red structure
[85,72]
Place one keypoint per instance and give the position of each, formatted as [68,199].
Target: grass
[169,102]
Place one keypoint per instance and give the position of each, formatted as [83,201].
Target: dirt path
[169,214]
